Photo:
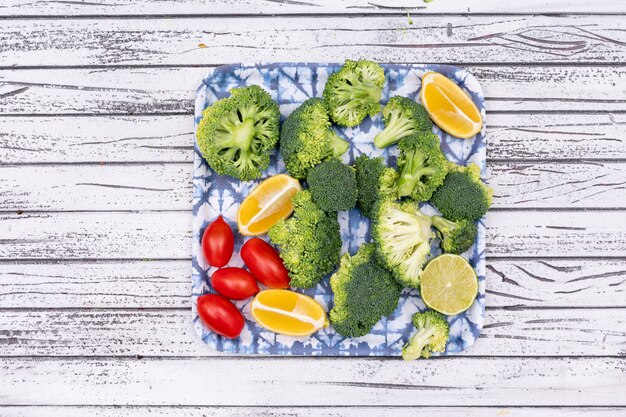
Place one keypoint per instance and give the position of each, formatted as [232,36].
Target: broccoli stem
[413,172]
[243,134]
[338,145]
[442,224]
[417,343]
[397,128]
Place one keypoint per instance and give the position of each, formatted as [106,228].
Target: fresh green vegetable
[236,134]
[374,181]
[422,166]
[403,117]
[333,185]
[354,92]
[306,138]
[310,241]
[364,292]
[463,195]
[456,237]
[402,234]
[432,335]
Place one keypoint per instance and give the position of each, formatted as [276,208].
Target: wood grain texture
[557,283]
[317,411]
[204,41]
[167,235]
[158,186]
[171,90]
[310,381]
[544,332]
[168,138]
[268,7]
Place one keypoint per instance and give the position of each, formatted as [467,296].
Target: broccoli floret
[374,181]
[402,234]
[403,117]
[333,185]
[456,237]
[354,92]
[310,242]
[364,292]
[432,335]
[422,166]
[236,134]
[463,195]
[306,138]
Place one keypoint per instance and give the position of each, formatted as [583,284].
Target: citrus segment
[449,284]
[268,203]
[288,312]
[451,108]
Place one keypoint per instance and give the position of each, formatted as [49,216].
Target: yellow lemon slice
[451,108]
[268,203]
[288,312]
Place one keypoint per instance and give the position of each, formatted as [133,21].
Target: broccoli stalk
[403,117]
[306,138]
[354,92]
[422,166]
[364,292]
[432,335]
[456,237]
[375,181]
[236,134]
[310,242]
[333,185]
[463,195]
[402,234]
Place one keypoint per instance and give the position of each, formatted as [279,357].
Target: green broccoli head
[333,185]
[402,234]
[354,92]
[236,134]
[422,166]
[403,117]
[432,335]
[310,242]
[364,292]
[375,181]
[463,194]
[306,138]
[456,237]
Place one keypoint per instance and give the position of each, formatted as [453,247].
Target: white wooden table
[96,135]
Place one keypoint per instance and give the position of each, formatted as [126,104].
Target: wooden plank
[317,411]
[121,284]
[281,381]
[96,139]
[102,186]
[166,235]
[166,284]
[161,186]
[171,90]
[118,139]
[267,7]
[205,41]
[544,332]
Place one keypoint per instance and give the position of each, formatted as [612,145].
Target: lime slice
[449,284]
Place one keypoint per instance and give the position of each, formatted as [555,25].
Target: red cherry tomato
[218,242]
[220,315]
[264,263]
[234,283]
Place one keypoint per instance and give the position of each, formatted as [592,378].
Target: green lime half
[449,284]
